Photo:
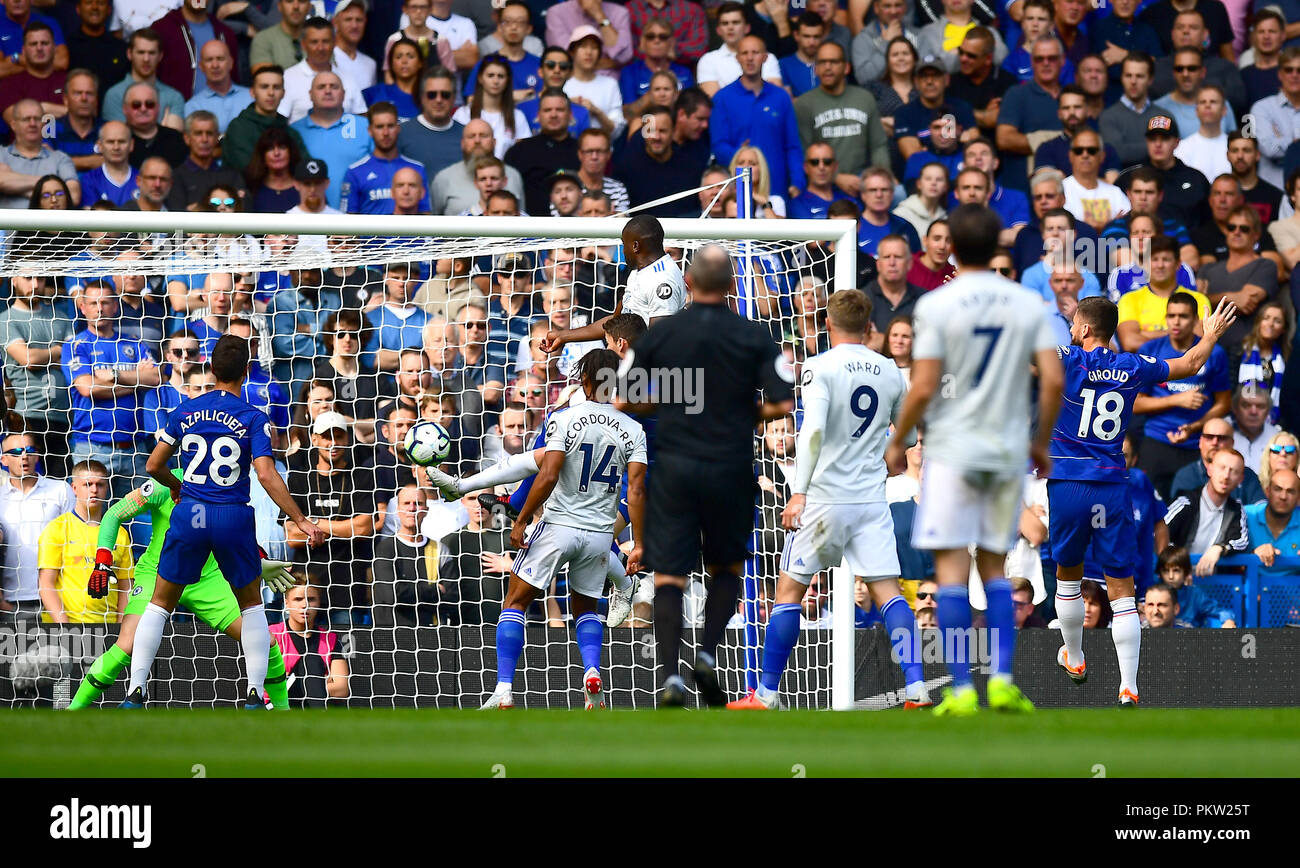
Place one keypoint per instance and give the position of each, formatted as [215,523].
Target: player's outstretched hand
[895,457]
[1217,323]
[315,535]
[634,560]
[102,576]
[276,575]
[1042,462]
[517,536]
[793,513]
[552,342]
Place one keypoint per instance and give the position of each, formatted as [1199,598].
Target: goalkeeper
[210,598]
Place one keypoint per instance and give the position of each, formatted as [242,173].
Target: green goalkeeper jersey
[156,500]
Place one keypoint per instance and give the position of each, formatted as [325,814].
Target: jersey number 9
[864,404]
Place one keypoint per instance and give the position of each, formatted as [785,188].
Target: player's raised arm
[636,512]
[1212,327]
[594,331]
[270,479]
[547,475]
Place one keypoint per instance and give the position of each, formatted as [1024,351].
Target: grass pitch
[519,743]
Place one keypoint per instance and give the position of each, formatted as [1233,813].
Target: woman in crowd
[316,669]
[898,345]
[403,64]
[51,193]
[664,90]
[807,329]
[766,203]
[270,172]
[1096,606]
[928,203]
[1283,454]
[895,89]
[493,100]
[1265,350]
[598,94]
[355,388]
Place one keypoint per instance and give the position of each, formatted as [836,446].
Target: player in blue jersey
[1088,494]
[368,185]
[219,436]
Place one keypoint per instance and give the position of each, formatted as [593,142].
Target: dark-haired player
[1088,494]
[588,449]
[975,339]
[218,437]
[655,287]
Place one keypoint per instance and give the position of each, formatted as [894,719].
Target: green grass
[1146,742]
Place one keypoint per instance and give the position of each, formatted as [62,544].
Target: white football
[427,443]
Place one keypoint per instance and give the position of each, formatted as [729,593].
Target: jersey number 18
[1105,426]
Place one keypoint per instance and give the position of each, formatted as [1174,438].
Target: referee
[701,372]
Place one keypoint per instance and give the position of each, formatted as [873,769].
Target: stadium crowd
[1148,152]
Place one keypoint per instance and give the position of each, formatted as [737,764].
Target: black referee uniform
[702,485]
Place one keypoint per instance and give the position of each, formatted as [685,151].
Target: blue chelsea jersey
[217,436]
[1100,386]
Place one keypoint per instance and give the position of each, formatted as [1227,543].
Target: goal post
[72,247]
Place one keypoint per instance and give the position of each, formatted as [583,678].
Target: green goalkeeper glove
[277,576]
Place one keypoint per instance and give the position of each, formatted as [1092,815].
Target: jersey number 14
[602,472]
[1105,425]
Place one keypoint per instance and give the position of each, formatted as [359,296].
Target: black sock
[720,606]
[668,629]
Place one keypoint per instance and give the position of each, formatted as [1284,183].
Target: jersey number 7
[992,333]
[603,472]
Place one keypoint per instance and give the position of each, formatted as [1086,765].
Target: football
[427,443]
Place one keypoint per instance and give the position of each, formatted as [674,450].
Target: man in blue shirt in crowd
[758,113]
[108,376]
[912,121]
[1029,107]
[877,220]
[368,185]
[331,134]
[397,324]
[634,79]
[1274,526]
[820,167]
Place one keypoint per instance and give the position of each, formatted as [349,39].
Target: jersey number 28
[224,466]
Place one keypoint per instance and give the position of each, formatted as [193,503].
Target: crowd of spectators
[1141,150]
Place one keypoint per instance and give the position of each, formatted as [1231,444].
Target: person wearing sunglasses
[1220,63]
[150,138]
[144,53]
[655,52]
[1275,125]
[34,332]
[29,501]
[820,167]
[1283,453]
[1028,115]
[1089,198]
[556,69]
[1244,274]
[959,16]
[1216,436]
[181,354]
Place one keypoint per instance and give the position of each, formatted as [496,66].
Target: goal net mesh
[405,595]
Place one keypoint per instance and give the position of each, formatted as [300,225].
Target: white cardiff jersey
[656,290]
[599,442]
[851,395]
[984,330]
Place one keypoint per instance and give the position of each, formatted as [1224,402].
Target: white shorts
[551,546]
[860,533]
[961,507]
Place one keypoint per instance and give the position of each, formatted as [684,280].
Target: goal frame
[540,230]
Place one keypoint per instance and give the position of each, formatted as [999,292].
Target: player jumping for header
[1088,494]
[976,338]
[837,507]
[218,436]
[578,522]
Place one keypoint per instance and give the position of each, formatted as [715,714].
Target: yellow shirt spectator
[66,558]
[1148,309]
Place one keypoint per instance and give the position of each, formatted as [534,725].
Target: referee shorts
[698,508]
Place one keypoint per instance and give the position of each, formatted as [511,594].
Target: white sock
[504,687]
[255,637]
[1127,635]
[617,573]
[512,469]
[148,635]
[1069,610]
[764,693]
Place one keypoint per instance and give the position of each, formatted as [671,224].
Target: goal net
[382,321]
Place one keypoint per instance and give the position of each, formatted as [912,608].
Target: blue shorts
[1097,512]
[224,530]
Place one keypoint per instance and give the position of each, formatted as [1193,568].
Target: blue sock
[510,644]
[520,495]
[901,624]
[954,626]
[782,634]
[591,636]
[1001,614]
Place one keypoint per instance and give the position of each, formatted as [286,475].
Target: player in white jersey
[837,509]
[975,341]
[655,288]
[588,448]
